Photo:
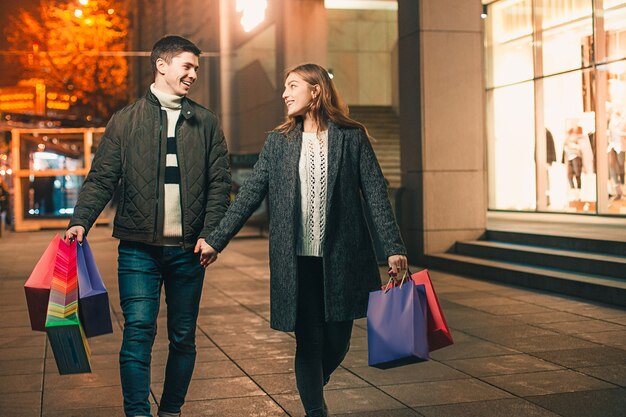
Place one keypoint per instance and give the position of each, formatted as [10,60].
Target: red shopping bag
[439,335]
[37,287]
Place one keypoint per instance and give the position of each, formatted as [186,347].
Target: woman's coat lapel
[335,150]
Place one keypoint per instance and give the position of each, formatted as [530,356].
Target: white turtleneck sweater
[172,220]
[313,170]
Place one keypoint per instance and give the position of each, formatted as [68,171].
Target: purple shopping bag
[93,301]
[397,326]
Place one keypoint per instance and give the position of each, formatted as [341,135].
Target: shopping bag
[93,299]
[396,326]
[439,335]
[37,287]
[65,333]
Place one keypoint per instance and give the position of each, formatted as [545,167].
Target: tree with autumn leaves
[76,46]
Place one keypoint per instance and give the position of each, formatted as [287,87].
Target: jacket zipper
[158,177]
[179,124]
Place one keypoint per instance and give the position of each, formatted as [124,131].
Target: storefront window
[570,141]
[509,42]
[567,35]
[512,147]
[556,89]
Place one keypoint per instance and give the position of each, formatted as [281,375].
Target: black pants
[321,346]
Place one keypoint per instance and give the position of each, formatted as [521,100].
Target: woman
[318,170]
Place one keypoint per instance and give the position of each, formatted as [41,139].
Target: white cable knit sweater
[313,170]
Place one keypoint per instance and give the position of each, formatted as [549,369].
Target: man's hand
[208,255]
[75,232]
[397,264]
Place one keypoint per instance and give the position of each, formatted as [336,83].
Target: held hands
[397,264]
[208,255]
[75,232]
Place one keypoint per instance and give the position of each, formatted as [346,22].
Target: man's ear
[161,65]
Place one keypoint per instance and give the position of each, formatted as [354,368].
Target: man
[169,157]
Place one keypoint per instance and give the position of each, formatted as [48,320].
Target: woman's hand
[397,264]
[208,255]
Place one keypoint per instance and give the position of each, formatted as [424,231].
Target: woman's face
[298,95]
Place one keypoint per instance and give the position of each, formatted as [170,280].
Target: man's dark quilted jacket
[132,154]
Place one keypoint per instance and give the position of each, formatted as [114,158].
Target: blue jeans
[321,345]
[143,269]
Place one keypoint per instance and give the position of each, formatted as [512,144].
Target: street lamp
[252,13]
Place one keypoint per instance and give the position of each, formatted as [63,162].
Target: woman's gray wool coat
[350,268]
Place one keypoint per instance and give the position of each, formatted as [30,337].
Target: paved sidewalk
[518,352]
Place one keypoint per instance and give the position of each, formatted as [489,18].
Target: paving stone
[501,334]
[98,378]
[444,392]
[211,389]
[34,340]
[497,408]
[547,343]
[267,366]
[285,383]
[355,401]
[260,406]
[67,399]
[20,383]
[604,403]
[21,404]
[473,349]
[405,412]
[578,358]
[203,370]
[583,326]
[542,383]
[21,366]
[417,372]
[615,374]
[89,412]
[612,338]
[549,317]
[260,350]
[501,365]
[28,352]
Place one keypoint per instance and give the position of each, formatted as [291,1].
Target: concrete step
[567,260]
[589,286]
[602,246]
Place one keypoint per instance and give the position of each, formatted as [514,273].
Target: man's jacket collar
[186,110]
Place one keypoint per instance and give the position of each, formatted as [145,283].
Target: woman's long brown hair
[325,107]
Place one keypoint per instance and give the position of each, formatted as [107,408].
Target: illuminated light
[110,11]
[17,105]
[45,155]
[2,172]
[330,74]
[9,171]
[89,22]
[361,4]
[84,2]
[58,105]
[483,15]
[3,157]
[78,13]
[73,99]
[41,146]
[252,13]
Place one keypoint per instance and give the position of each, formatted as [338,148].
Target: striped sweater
[172,221]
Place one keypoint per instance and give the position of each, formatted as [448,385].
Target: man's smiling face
[179,74]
